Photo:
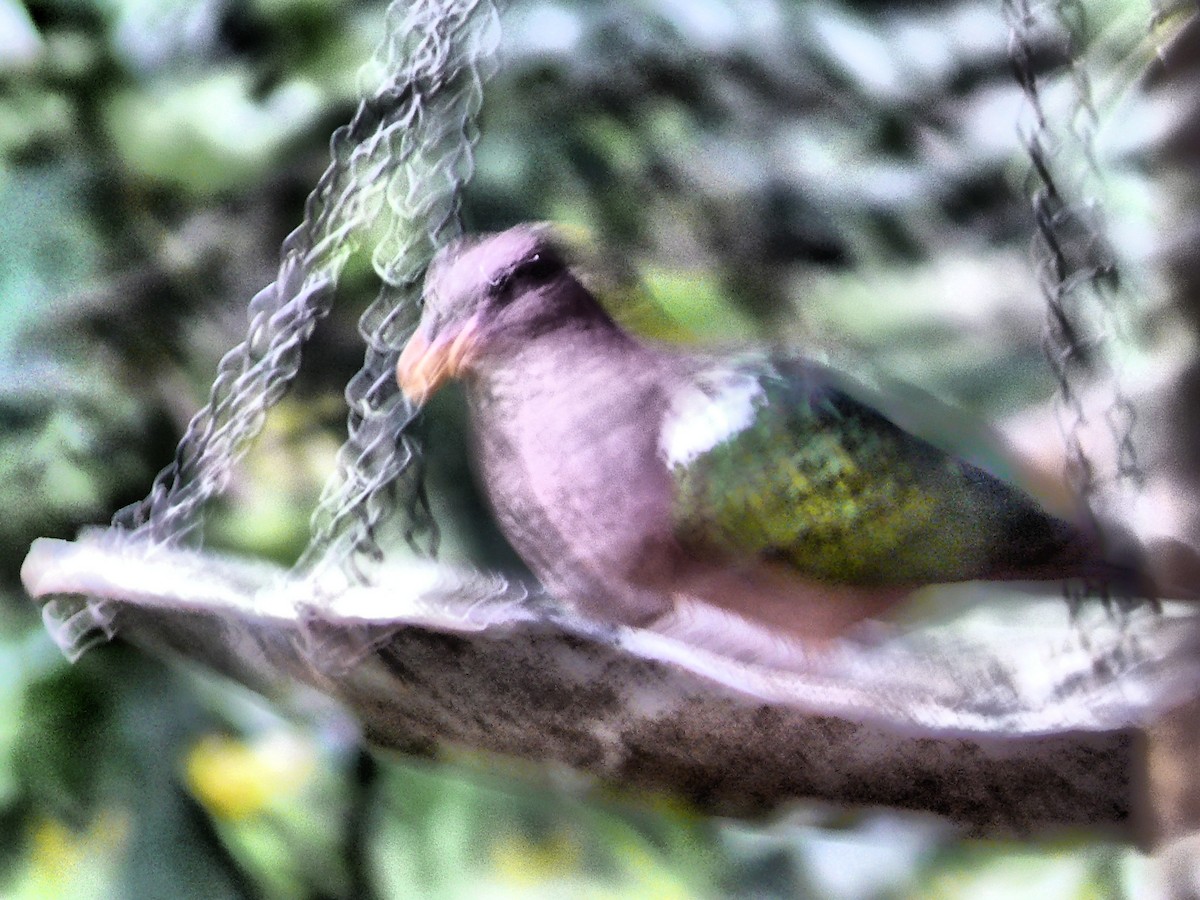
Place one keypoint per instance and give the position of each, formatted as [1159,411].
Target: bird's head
[485,294]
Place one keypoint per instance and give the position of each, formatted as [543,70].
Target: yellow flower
[236,780]
[520,861]
[67,863]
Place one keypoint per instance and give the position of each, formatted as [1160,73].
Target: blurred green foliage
[844,176]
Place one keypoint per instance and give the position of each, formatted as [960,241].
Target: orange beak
[425,365]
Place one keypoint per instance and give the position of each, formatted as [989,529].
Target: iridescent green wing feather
[782,461]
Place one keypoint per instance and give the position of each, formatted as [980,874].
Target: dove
[640,481]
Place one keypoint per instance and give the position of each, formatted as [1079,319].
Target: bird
[643,482]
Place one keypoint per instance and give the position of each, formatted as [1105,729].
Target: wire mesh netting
[395,177]
[1077,269]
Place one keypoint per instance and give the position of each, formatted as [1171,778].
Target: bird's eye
[537,268]
[534,270]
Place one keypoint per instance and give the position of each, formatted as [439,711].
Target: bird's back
[816,478]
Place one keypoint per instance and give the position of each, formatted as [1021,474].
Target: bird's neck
[593,357]
[558,348]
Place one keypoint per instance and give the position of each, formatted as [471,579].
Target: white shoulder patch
[708,413]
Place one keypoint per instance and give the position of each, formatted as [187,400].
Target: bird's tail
[1167,569]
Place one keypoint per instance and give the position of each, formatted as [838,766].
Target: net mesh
[1086,299]
[395,175]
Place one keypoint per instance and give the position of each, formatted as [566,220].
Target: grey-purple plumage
[636,479]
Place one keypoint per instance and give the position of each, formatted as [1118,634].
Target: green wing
[783,461]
